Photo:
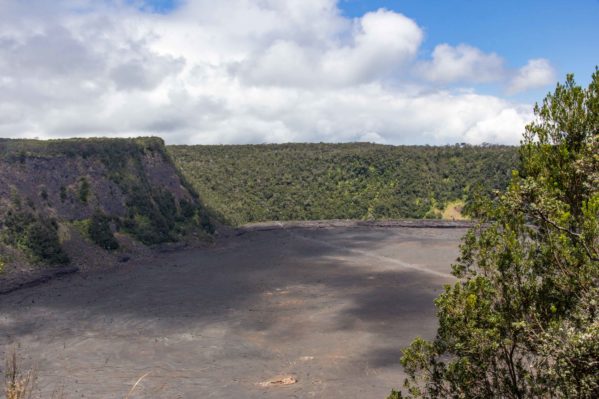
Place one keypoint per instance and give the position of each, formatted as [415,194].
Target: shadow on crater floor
[331,307]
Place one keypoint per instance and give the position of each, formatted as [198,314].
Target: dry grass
[453,211]
[136,384]
[17,384]
[20,384]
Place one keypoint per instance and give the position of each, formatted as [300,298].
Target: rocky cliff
[105,193]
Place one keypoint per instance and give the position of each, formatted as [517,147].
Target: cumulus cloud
[462,63]
[536,73]
[240,71]
[379,43]
[382,42]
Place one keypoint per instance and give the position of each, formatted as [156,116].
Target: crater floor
[294,313]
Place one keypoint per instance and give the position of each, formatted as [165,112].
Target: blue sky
[158,6]
[565,32]
[252,71]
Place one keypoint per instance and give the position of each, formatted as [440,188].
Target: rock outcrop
[100,192]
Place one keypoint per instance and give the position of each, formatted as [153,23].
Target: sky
[262,71]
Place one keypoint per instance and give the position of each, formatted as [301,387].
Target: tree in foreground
[523,319]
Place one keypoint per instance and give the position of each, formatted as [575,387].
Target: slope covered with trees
[249,183]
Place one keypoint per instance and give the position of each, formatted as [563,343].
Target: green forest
[251,183]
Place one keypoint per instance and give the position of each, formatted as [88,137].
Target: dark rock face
[50,188]
[161,172]
[52,184]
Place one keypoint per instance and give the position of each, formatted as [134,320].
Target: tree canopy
[523,318]
[253,183]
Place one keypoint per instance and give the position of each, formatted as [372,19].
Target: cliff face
[52,186]
[98,187]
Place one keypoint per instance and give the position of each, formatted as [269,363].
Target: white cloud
[462,64]
[382,42]
[374,46]
[496,128]
[536,73]
[239,71]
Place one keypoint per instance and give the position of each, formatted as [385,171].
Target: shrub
[43,243]
[147,230]
[205,222]
[395,395]
[83,190]
[100,233]
[187,210]
[15,198]
[63,193]
[36,236]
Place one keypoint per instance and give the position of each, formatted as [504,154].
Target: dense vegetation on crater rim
[98,186]
[522,320]
[250,183]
